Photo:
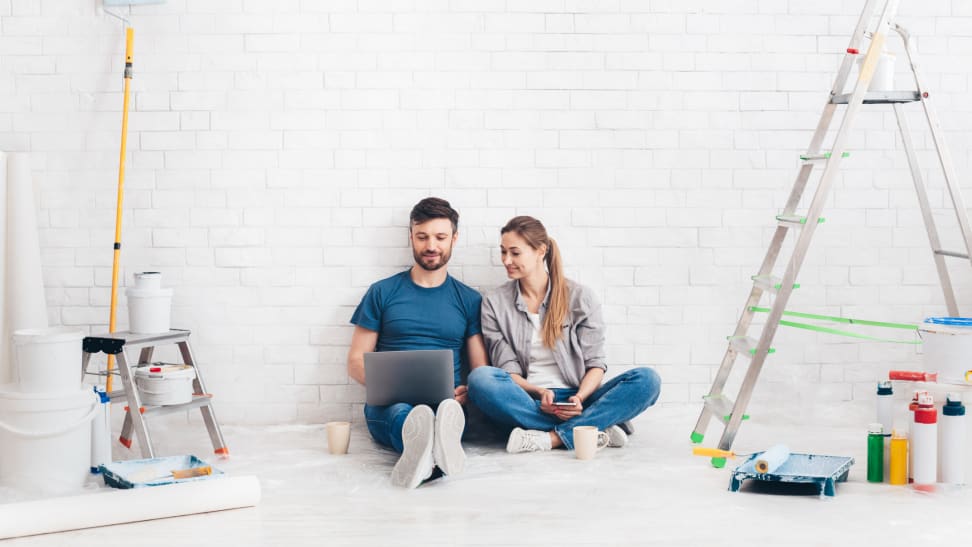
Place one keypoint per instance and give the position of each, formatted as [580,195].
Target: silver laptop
[415,377]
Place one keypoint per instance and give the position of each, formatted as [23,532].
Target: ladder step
[795,220]
[720,405]
[951,253]
[770,283]
[745,345]
[880,97]
[820,157]
[197,401]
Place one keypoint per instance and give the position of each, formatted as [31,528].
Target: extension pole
[129,39]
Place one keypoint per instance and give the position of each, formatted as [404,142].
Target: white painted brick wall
[276,147]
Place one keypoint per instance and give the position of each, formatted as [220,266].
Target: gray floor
[651,492]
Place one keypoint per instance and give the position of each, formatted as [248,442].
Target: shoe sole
[449,424]
[616,437]
[415,462]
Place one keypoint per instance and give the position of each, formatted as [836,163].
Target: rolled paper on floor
[122,506]
[772,459]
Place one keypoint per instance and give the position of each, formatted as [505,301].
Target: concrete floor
[650,492]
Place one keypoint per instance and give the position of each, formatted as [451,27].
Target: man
[421,308]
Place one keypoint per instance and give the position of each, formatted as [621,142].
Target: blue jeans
[617,400]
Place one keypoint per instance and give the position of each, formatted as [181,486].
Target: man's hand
[462,394]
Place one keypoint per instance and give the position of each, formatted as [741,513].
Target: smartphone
[567,403]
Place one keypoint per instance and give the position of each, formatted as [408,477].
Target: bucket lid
[47,335]
[148,293]
[947,325]
[13,400]
[165,371]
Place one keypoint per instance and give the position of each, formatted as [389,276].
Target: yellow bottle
[898,467]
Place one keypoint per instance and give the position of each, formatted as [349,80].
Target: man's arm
[362,341]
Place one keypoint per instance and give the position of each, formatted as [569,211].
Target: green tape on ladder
[845,320]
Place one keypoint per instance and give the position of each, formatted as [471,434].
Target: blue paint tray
[152,471]
[822,471]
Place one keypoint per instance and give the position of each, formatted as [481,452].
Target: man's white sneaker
[616,436]
[527,440]
[447,448]
[416,463]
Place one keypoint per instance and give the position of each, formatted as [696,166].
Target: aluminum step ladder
[716,404]
[118,344]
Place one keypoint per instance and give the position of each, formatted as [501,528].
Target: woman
[545,339]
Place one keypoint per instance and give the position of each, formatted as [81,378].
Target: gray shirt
[507,331]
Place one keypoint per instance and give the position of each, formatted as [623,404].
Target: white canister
[883,79]
[148,281]
[48,360]
[160,384]
[947,345]
[149,311]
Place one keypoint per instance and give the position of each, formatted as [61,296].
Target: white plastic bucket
[45,439]
[947,348]
[160,385]
[148,281]
[149,310]
[48,360]
[883,79]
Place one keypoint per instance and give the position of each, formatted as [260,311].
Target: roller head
[772,459]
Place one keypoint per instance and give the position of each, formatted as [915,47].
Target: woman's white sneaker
[527,440]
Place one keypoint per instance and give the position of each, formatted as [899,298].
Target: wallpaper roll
[122,506]
[21,281]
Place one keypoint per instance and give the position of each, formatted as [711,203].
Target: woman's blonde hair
[533,232]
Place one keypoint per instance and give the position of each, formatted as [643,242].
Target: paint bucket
[150,309]
[48,359]
[148,281]
[160,385]
[947,345]
[883,79]
[45,439]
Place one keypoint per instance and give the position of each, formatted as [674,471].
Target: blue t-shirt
[408,317]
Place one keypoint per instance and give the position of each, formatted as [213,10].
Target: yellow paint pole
[129,40]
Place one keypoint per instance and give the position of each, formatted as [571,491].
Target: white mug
[338,437]
[588,441]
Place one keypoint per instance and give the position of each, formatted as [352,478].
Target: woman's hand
[546,402]
[567,412]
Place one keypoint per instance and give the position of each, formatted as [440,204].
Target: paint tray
[822,471]
[153,471]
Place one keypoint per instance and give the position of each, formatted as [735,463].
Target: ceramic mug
[338,437]
[588,441]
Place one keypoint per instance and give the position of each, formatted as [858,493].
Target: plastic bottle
[911,434]
[875,453]
[885,398]
[101,432]
[913,376]
[925,443]
[952,434]
[898,467]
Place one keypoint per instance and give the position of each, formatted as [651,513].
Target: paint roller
[767,462]
[122,506]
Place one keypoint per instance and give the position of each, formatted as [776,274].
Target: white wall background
[275,148]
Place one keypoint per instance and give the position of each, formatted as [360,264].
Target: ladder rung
[720,405]
[819,157]
[745,345]
[951,253]
[880,97]
[795,220]
[770,283]
[197,401]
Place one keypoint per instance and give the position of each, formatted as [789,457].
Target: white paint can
[48,360]
[160,385]
[883,79]
[149,305]
[46,439]
[947,348]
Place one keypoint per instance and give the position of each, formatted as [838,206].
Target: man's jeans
[385,423]
[617,400]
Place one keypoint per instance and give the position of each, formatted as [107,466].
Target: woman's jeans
[617,400]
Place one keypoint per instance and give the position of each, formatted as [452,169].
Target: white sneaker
[527,440]
[416,463]
[616,436]
[447,448]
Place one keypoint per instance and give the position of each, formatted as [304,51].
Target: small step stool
[118,344]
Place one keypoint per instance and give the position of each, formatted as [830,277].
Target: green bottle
[875,453]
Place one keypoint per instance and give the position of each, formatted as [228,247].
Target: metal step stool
[136,414]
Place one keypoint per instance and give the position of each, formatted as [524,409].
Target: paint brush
[192,472]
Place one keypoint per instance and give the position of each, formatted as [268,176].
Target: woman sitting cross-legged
[545,339]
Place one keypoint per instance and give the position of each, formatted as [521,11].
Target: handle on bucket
[34,435]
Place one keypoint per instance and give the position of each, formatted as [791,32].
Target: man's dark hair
[430,208]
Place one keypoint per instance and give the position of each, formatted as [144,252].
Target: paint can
[883,79]
[159,384]
[46,439]
[946,344]
[48,360]
[149,305]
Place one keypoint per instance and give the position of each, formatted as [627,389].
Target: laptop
[417,377]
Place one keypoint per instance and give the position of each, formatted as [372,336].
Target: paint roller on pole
[768,461]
